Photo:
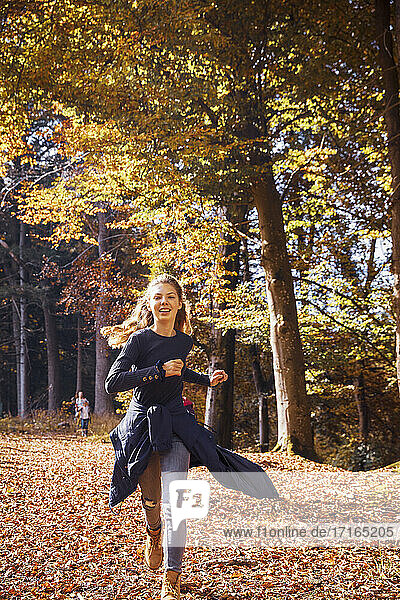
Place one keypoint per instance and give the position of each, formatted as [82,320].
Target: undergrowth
[41,422]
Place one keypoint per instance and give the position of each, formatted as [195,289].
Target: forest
[251,148]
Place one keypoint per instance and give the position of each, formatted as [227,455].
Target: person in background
[84,411]
[78,403]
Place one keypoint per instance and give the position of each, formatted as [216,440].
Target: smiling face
[164,302]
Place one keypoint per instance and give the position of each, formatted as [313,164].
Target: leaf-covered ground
[61,540]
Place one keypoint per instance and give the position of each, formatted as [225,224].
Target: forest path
[60,540]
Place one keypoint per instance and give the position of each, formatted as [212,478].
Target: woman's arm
[217,377]
[193,377]
[120,378]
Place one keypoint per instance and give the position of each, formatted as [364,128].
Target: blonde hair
[143,317]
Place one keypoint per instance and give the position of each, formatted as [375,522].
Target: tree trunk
[262,393]
[362,406]
[23,362]
[8,406]
[11,269]
[53,362]
[370,268]
[219,400]
[79,355]
[392,120]
[17,344]
[294,421]
[23,354]
[103,401]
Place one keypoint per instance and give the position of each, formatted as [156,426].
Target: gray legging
[173,464]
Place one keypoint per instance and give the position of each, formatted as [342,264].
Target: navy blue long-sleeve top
[142,351]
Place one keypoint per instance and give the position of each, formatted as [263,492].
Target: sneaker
[171,586]
[153,552]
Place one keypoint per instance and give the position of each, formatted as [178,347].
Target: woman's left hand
[218,377]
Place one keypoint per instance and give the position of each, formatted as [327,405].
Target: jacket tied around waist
[145,429]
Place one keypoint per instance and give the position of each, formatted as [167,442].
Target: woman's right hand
[173,367]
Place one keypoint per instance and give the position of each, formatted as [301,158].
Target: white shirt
[84,411]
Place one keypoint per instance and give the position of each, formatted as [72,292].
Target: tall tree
[262,389]
[392,119]
[78,386]
[294,425]
[219,401]
[53,362]
[103,401]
